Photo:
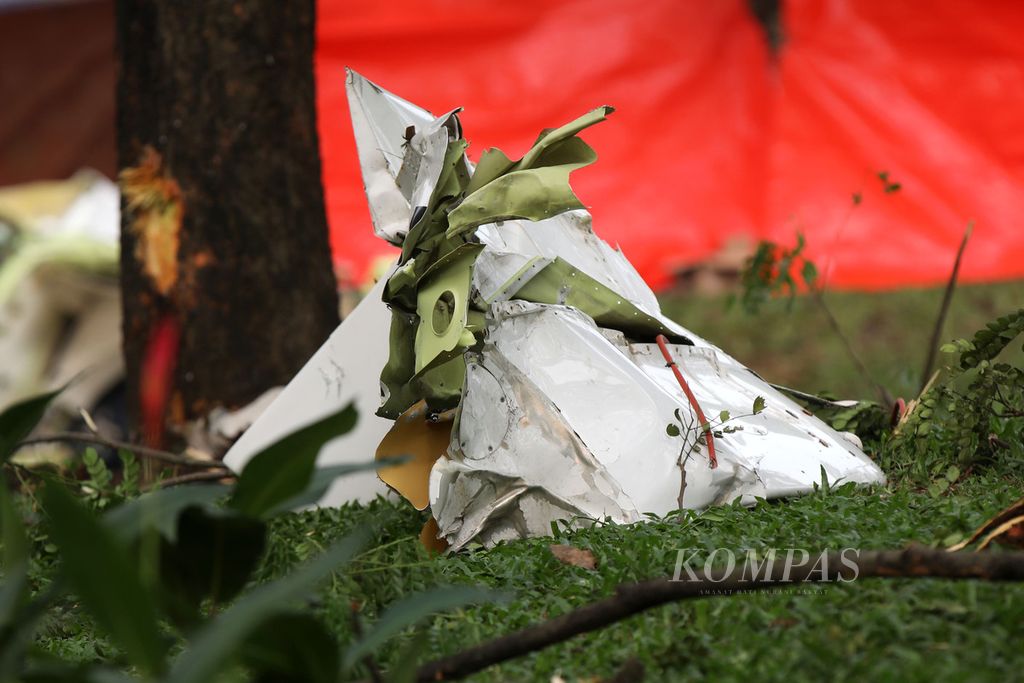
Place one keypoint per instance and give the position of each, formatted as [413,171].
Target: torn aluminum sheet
[377,116]
[563,406]
[584,433]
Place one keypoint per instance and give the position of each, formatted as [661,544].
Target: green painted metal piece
[562,284]
[535,194]
[552,135]
[441,386]
[396,377]
[535,187]
[442,304]
[493,163]
[435,269]
[400,289]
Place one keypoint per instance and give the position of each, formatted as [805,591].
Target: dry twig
[193,477]
[141,451]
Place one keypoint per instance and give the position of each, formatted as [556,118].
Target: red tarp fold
[713,136]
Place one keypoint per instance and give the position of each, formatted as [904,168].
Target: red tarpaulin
[714,136]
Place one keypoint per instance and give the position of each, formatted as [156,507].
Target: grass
[872,629]
[795,347]
[906,630]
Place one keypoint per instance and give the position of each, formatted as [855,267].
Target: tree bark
[225,264]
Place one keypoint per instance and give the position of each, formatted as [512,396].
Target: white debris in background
[60,305]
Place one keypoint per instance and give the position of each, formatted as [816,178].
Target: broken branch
[141,451]
[193,477]
[630,599]
[947,298]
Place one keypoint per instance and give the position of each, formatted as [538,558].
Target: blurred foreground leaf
[284,469]
[223,636]
[99,569]
[18,420]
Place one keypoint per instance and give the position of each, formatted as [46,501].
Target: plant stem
[947,298]
[192,477]
[883,393]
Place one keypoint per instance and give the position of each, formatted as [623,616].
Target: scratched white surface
[345,369]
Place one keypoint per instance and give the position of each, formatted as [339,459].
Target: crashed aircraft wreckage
[523,363]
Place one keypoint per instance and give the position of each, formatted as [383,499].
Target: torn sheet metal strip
[377,116]
[568,236]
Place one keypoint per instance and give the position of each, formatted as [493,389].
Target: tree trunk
[225,265]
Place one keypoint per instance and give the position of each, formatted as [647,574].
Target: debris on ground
[524,363]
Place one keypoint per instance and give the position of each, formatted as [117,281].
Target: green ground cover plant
[386,605]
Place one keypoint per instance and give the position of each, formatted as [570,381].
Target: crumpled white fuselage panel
[562,419]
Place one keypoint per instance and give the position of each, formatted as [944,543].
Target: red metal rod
[704,424]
